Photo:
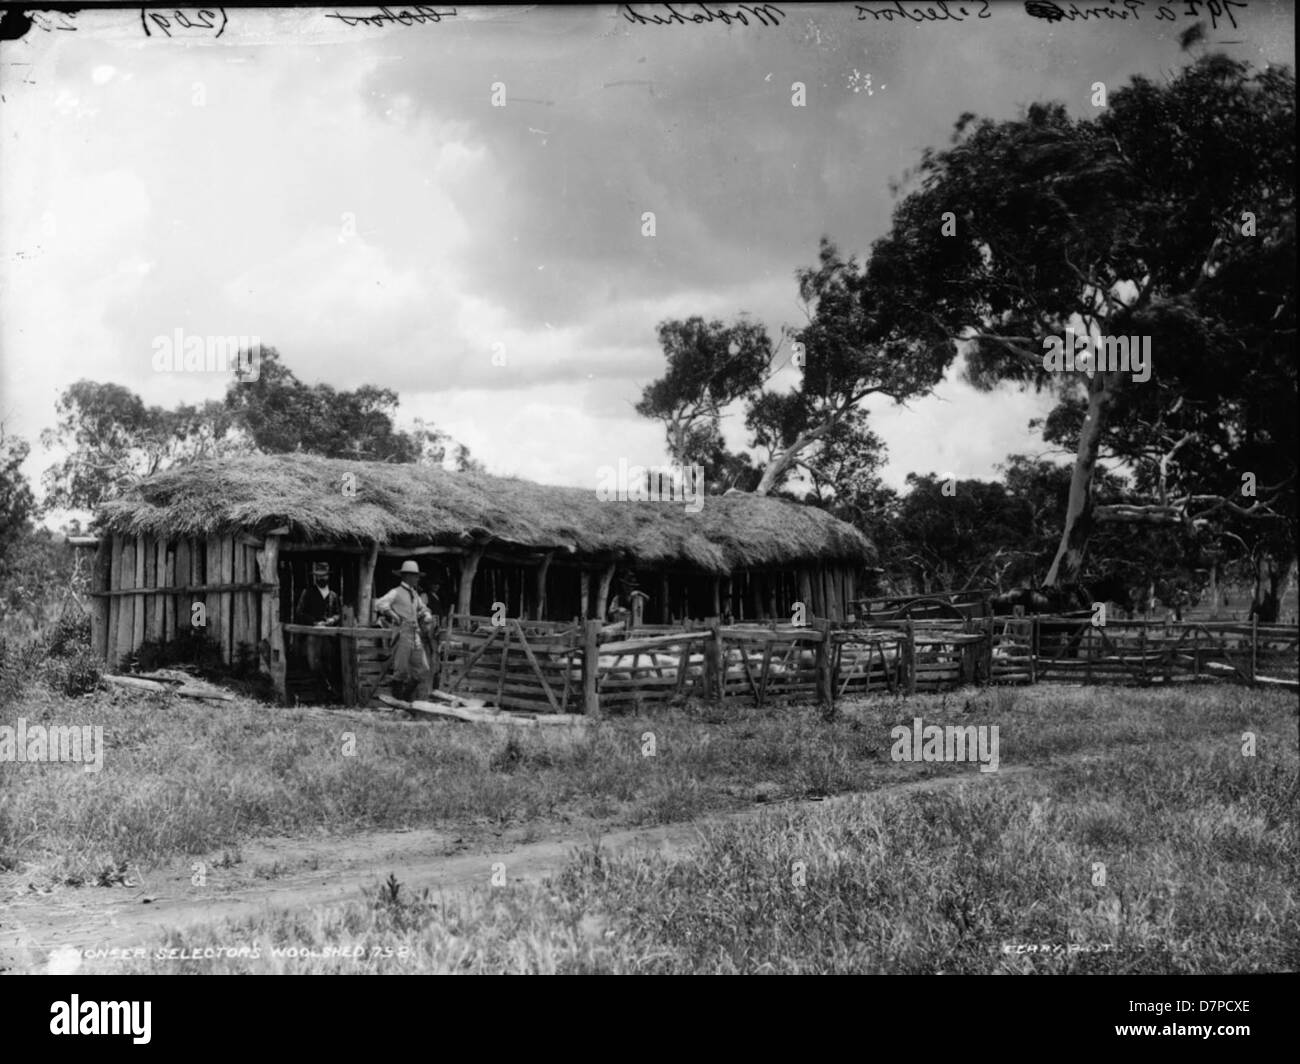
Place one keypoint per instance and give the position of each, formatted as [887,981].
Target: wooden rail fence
[588,667]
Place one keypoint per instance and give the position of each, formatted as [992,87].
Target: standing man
[404,609]
[318,605]
[322,608]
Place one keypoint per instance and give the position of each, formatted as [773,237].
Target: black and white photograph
[651,489]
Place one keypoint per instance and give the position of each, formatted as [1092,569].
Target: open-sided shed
[239,537]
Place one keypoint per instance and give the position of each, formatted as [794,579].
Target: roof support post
[540,606]
[467,580]
[366,590]
[602,591]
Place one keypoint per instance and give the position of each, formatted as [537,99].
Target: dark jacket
[313,607]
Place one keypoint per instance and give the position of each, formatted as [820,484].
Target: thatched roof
[412,505]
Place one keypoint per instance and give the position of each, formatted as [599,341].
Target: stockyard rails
[890,569]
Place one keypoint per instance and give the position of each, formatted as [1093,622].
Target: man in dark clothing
[318,605]
[322,608]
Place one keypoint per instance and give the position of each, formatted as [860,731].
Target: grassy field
[1199,842]
[1199,845]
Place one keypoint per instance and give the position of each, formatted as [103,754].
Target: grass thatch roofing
[412,505]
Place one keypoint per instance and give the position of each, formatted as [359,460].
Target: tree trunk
[1068,563]
[780,464]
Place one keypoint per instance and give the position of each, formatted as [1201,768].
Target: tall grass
[185,778]
[1199,845]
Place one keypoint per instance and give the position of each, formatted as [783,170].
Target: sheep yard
[1132,830]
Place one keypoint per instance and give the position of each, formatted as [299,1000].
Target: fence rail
[590,667]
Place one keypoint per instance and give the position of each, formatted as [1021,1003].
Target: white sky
[151,185]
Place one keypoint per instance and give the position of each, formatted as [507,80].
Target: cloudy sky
[351,196]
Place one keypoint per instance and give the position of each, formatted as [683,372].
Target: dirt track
[315,872]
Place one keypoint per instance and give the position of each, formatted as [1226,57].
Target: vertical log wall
[146,589]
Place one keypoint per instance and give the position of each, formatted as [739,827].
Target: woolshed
[241,536]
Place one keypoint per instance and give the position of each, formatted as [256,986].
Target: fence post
[715,678]
[911,657]
[590,666]
[988,650]
[1254,645]
[825,681]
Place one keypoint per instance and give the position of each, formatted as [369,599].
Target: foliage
[114,439]
[17,504]
[1127,224]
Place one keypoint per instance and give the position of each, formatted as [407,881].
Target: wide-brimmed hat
[320,568]
[408,568]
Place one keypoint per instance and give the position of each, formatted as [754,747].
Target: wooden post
[542,570]
[366,587]
[464,593]
[584,584]
[726,610]
[832,598]
[709,667]
[715,663]
[198,575]
[590,667]
[102,606]
[602,591]
[268,560]
[250,602]
[806,592]
[126,612]
[911,657]
[717,597]
[988,649]
[181,578]
[148,577]
[238,632]
[115,603]
[169,580]
[141,601]
[825,679]
[1254,645]
[348,660]
[665,610]
[213,574]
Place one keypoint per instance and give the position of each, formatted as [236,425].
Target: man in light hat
[404,609]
